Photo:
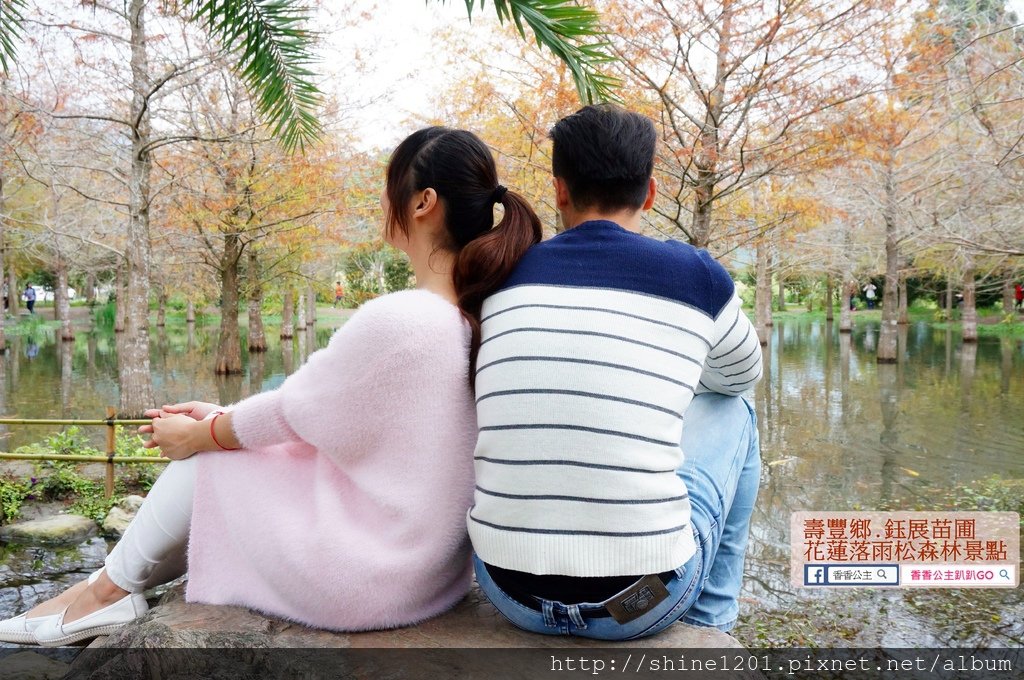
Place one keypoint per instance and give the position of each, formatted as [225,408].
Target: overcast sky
[409,60]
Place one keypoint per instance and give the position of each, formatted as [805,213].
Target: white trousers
[154,548]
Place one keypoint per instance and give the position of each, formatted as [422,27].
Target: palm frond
[273,48]
[565,28]
[11,20]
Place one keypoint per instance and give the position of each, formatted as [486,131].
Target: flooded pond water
[838,432]
[841,432]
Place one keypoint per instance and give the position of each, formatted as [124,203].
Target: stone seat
[474,622]
[176,639]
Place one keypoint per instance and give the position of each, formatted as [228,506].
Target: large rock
[17,469]
[56,530]
[131,504]
[40,510]
[448,646]
[30,665]
[121,515]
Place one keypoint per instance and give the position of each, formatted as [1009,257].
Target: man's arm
[733,365]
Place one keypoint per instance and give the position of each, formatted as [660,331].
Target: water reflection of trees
[853,434]
[888,400]
[79,379]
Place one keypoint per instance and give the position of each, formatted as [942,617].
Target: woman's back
[364,458]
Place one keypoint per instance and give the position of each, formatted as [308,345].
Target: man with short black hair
[587,519]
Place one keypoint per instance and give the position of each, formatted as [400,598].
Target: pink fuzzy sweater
[347,507]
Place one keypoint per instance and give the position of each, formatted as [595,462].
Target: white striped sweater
[590,355]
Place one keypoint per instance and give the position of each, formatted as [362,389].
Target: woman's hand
[177,435]
[196,410]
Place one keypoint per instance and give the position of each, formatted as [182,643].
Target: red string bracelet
[218,414]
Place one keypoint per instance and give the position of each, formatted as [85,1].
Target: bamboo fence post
[111,450]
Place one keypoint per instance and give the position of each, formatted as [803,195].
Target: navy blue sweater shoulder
[601,254]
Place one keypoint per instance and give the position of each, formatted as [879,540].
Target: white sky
[408,62]
[403,40]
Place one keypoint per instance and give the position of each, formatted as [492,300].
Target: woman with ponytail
[339,499]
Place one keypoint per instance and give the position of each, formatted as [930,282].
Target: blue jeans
[722,470]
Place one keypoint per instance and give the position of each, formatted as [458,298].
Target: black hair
[605,155]
[460,168]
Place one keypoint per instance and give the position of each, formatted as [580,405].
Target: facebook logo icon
[814,574]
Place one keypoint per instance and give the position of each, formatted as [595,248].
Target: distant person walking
[1018,296]
[869,294]
[339,292]
[30,298]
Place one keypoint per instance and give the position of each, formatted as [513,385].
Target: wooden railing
[110,459]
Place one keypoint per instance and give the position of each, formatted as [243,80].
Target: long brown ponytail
[461,169]
[486,261]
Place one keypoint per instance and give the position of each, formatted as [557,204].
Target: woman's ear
[425,202]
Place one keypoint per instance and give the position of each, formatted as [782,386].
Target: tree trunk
[829,295]
[190,312]
[700,226]
[1008,296]
[310,307]
[887,333]
[708,150]
[762,294]
[949,296]
[288,356]
[845,313]
[161,310]
[257,336]
[120,299]
[970,313]
[12,292]
[229,352]
[13,299]
[288,313]
[300,313]
[90,290]
[903,315]
[781,303]
[134,376]
[61,303]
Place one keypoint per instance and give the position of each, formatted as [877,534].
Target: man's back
[590,355]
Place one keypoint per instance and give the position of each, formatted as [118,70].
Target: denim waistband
[588,610]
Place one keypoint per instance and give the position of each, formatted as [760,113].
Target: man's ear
[562,198]
[425,203]
[652,193]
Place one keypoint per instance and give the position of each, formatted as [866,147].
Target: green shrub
[12,495]
[57,480]
[104,315]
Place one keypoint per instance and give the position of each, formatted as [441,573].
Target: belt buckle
[636,600]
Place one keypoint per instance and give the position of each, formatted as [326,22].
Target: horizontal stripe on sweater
[579,532]
[582,499]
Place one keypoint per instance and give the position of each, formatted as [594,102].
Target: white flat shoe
[20,629]
[103,622]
